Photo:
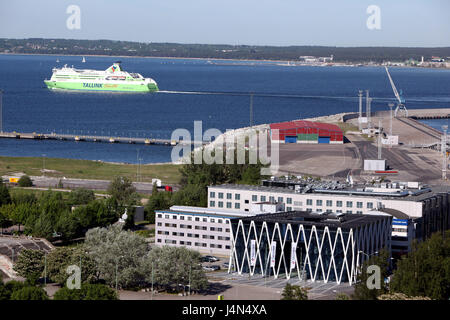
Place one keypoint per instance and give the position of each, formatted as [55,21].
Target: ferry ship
[112,79]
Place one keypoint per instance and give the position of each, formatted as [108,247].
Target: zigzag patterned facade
[307,246]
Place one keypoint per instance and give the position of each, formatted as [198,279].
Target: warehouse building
[330,248]
[300,131]
[418,212]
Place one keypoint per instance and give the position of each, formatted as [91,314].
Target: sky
[405,23]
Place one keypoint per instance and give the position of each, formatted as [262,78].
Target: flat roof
[223,213]
[417,195]
[316,219]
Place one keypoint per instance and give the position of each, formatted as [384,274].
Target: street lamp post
[43,164]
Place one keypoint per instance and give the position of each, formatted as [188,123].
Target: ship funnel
[115,67]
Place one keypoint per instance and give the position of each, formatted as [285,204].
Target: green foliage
[25,181]
[195,178]
[30,264]
[113,248]
[81,196]
[21,197]
[342,296]
[362,292]
[145,233]
[5,197]
[29,293]
[86,292]
[122,190]
[293,292]
[59,259]
[175,265]
[425,271]
[157,201]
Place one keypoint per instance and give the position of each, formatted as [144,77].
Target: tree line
[220,51]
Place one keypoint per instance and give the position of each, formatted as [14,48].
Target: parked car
[211,268]
[211,258]
[226,265]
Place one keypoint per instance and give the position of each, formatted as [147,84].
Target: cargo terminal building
[300,131]
[417,212]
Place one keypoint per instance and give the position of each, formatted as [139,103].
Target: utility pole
[444,152]
[368,100]
[379,139]
[251,109]
[360,109]
[1,111]
[391,105]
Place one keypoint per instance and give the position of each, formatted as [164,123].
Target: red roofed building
[300,131]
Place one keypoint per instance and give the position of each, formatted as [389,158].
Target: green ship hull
[94,86]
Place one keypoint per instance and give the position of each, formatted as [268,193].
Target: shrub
[29,293]
[87,292]
[25,181]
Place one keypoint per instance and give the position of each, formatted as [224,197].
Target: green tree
[21,197]
[175,265]
[293,292]
[86,292]
[30,264]
[122,190]
[5,197]
[362,292]
[157,201]
[425,271]
[59,259]
[29,293]
[25,181]
[81,196]
[114,249]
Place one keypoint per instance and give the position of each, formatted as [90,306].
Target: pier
[95,138]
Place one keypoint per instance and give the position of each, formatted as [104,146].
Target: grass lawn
[86,169]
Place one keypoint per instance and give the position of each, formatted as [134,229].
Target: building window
[369,205]
[197,219]
[289,200]
[329,211]
[189,218]
[212,220]
[159,224]
[359,204]
[220,195]
[237,196]
[205,220]
[159,240]
[237,205]
[212,203]
[220,204]
[254,198]
[246,201]
[358,211]
[212,194]
[181,217]
[318,202]
[159,215]
[349,211]
[167,216]
[174,217]
[227,247]
[229,205]
[289,208]
[309,202]
[349,204]
[227,221]
[338,211]
[263,198]
[280,199]
[229,196]
[329,203]
[272,199]
[338,203]
[308,210]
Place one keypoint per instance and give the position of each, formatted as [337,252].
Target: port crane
[398,95]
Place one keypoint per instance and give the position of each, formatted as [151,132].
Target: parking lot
[316,290]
